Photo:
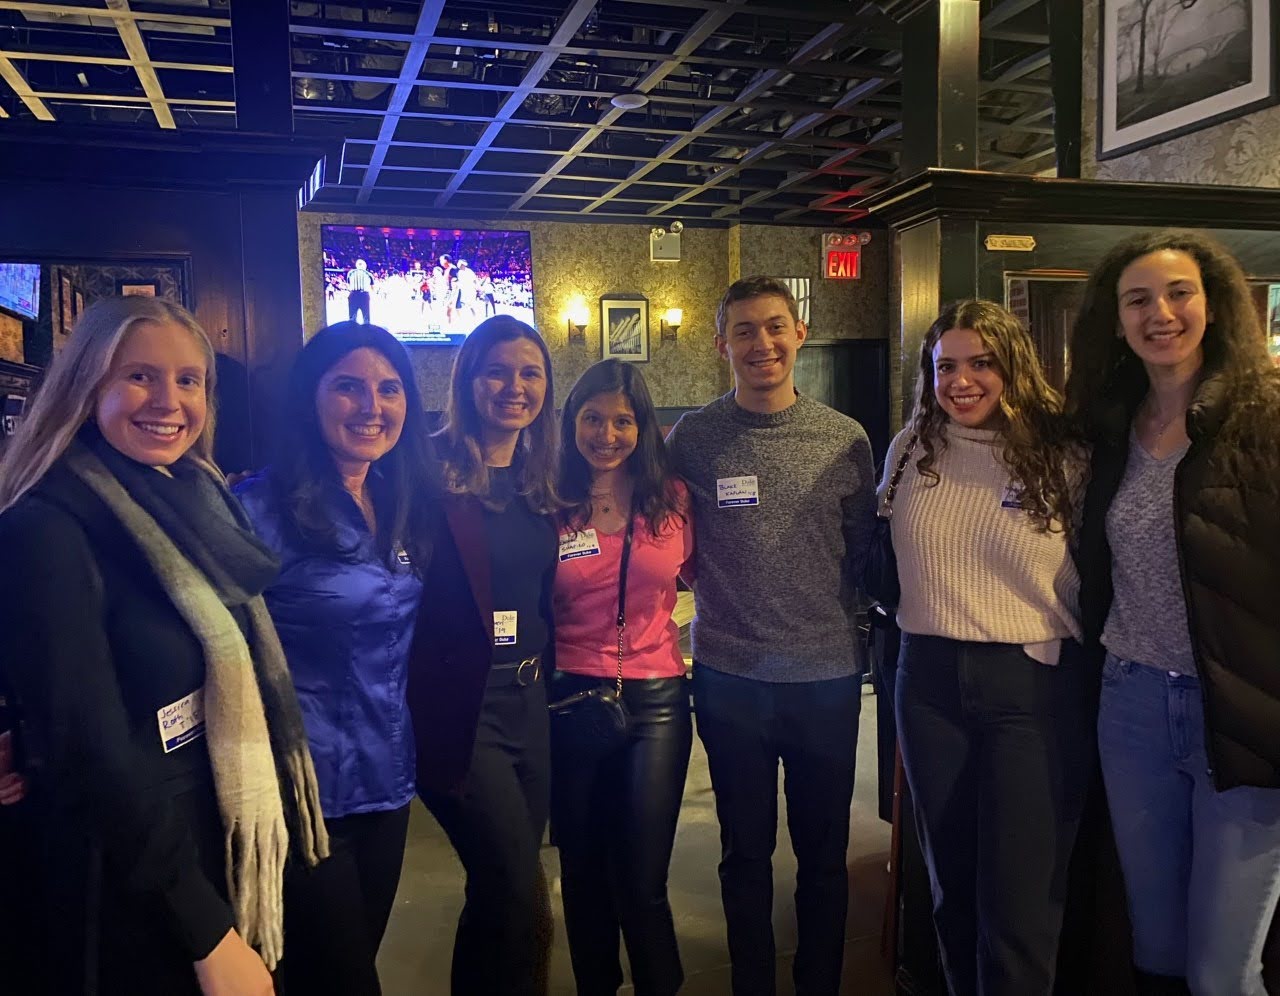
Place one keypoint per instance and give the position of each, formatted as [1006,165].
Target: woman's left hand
[13,786]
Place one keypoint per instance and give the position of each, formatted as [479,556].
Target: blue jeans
[1201,867]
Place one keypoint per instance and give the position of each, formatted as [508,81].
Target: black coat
[128,838]
[1227,525]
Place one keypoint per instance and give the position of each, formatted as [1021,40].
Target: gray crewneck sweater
[776,562]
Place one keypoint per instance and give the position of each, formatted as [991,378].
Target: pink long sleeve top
[586,600]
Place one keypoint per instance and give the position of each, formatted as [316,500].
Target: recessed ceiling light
[629,101]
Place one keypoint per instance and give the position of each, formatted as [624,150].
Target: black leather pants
[614,822]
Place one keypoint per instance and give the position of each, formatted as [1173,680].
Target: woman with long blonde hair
[991,699]
[169,769]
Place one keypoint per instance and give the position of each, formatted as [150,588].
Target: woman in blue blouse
[343,507]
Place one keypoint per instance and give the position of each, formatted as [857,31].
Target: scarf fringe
[258,851]
[314,845]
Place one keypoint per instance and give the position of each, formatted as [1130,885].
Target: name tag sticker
[504,628]
[182,721]
[581,544]
[732,492]
[1012,497]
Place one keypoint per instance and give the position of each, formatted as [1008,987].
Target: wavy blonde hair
[67,397]
[1039,451]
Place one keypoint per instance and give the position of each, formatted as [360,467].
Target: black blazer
[453,645]
[129,837]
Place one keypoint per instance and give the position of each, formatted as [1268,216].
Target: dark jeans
[337,912]
[747,727]
[615,823]
[358,303]
[998,751]
[495,823]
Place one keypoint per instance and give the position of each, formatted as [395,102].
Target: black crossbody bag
[881,579]
[595,722]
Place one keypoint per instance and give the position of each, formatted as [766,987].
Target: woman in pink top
[614,819]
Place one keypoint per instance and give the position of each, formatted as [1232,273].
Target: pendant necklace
[606,501]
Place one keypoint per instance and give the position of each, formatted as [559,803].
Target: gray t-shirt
[784,505]
[1148,618]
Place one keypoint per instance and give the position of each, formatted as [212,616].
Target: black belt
[522,673]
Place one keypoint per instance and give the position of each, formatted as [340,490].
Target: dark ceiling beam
[1044,89]
[655,96]
[136,48]
[868,22]
[90,59]
[698,33]
[428,21]
[117,13]
[565,30]
[817,48]
[1005,11]
[11,75]
[1024,67]
[794,179]
[76,96]
[261,56]
[1009,35]
[793,133]
[612,50]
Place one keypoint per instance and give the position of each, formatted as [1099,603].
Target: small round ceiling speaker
[629,101]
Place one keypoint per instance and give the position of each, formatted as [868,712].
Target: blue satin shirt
[346,625]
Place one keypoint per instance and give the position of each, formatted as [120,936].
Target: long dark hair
[654,493]
[304,472]
[1106,372]
[459,439]
[1038,450]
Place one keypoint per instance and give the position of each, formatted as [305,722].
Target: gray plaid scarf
[257,743]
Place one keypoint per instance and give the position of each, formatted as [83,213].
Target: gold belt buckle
[535,663]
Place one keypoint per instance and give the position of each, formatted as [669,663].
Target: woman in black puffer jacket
[1179,558]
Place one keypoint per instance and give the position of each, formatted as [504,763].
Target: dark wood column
[261,61]
[1066,41]
[940,130]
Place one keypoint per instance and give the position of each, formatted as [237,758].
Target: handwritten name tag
[182,721]
[504,628]
[733,492]
[579,544]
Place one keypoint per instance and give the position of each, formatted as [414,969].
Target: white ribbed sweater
[970,568]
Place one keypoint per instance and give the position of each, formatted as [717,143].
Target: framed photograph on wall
[624,327]
[1170,67]
[137,288]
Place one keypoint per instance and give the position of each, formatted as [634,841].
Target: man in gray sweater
[784,500]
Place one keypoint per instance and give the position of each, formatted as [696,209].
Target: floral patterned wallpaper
[839,309]
[1242,152]
[584,260]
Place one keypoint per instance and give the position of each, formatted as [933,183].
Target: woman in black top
[477,688]
[163,740]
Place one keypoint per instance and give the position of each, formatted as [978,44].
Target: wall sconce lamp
[669,324]
[578,317]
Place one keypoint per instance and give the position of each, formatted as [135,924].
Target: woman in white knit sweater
[992,701]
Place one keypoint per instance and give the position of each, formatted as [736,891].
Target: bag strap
[886,503]
[622,590]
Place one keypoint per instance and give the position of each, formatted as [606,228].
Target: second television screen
[427,286]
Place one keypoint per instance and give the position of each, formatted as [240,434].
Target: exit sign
[842,255]
[843,264]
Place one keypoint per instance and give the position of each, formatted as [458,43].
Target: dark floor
[415,955]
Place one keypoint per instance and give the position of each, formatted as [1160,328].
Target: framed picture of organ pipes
[624,327]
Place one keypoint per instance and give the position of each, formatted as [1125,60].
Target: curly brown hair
[1105,371]
[1039,450]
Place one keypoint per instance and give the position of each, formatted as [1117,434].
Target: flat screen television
[20,288]
[427,286]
